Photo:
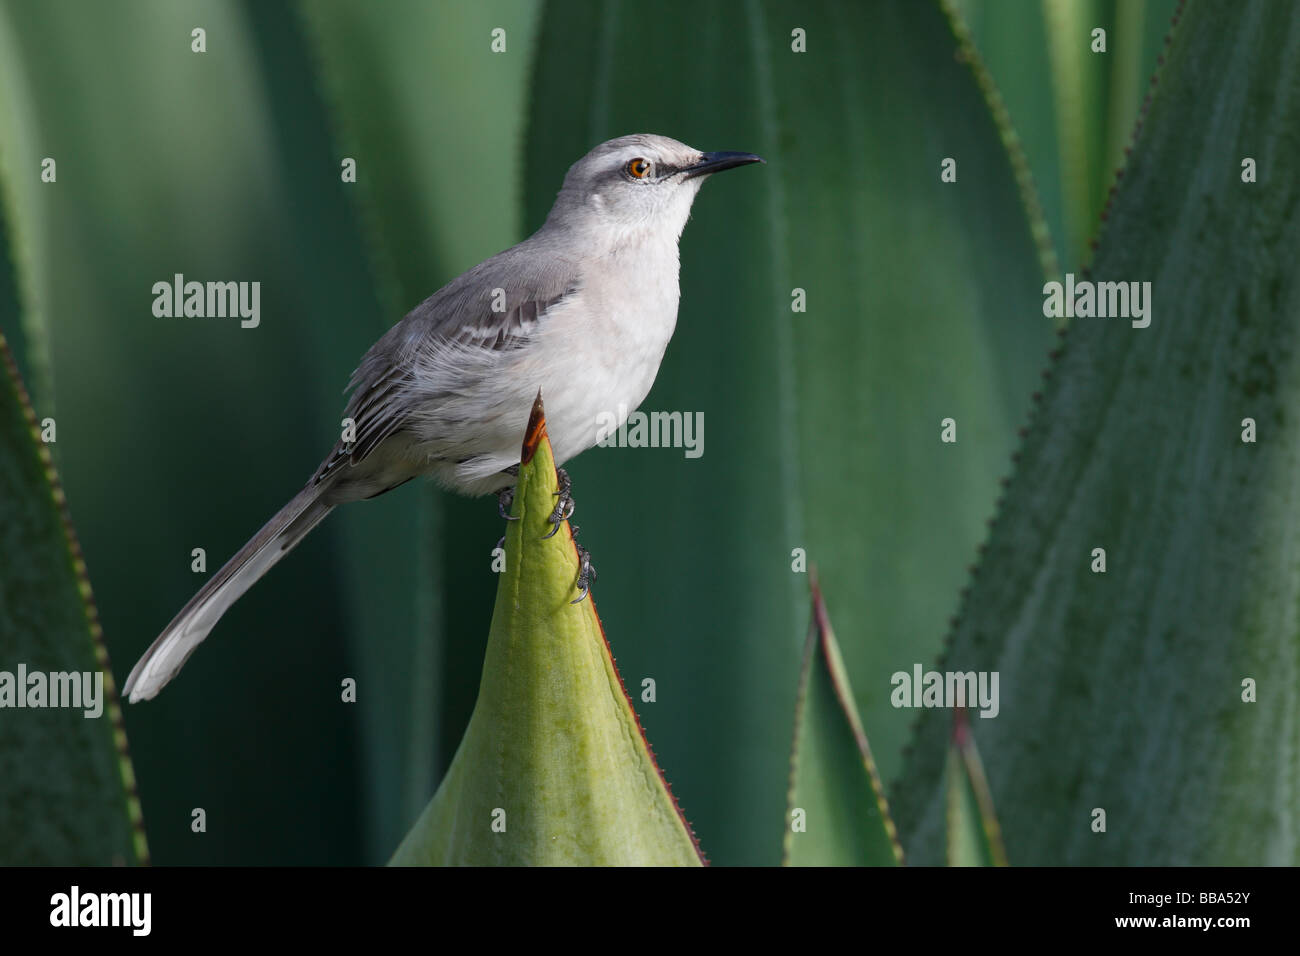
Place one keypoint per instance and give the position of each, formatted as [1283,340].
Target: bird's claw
[586,572]
[505,500]
[564,506]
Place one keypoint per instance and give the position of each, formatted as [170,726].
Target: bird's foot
[564,503]
[505,500]
[506,496]
[586,571]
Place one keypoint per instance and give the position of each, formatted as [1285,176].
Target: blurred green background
[822,427]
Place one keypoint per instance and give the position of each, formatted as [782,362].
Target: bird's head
[638,184]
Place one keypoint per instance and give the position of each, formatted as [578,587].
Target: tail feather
[168,654]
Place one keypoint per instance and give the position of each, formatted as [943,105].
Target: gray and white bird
[582,310]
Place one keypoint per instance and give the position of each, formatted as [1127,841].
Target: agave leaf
[974,838]
[67,788]
[181,433]
[1126,732]
[22,202]
[835,791]
[554,768]
[1080,126]
[1073,110]
[922,303]
[433,118]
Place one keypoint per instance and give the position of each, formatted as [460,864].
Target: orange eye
[638,168]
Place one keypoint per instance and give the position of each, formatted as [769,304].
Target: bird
[582,311]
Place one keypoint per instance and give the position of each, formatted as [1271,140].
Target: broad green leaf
[184,433]
[1080,125]
[835,791]
[974,838]
[1073,109]
[1012,49]
[433,119]
[1163,691]
[822,427]
[554,768]
[22,202]
[67,788]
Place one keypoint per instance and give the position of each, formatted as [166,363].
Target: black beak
[717,162]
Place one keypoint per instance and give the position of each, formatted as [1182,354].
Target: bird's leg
[506,496]
[564,506]
[586,570]
[505,500]
[563,512]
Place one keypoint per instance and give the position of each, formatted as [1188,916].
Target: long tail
[168,654]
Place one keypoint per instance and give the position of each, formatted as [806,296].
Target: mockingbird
[582,310]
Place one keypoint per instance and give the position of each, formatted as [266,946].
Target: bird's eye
[638,168]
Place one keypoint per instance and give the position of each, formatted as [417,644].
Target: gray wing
[495,306]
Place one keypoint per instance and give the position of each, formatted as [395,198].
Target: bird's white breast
[606,344]
[594,356]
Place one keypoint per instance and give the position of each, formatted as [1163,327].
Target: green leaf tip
[535,431]
[837,813]
[554,768]
[974,837]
